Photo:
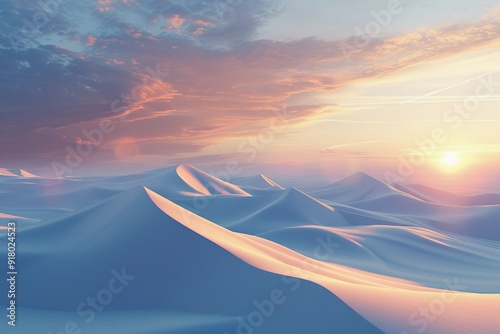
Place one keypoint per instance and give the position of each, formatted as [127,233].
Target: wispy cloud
[337,147]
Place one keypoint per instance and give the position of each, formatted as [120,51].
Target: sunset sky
[407,88]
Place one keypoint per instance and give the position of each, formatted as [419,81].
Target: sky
[405,90]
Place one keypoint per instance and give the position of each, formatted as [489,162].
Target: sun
[450,159]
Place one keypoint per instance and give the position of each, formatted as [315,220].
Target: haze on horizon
[407,88]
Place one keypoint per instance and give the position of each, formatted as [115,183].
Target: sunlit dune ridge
[384,301]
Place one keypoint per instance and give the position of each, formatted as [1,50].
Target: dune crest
[205,183]
[6,172]
[27,174]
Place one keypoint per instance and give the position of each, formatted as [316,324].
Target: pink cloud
[199,31]
[209,97]
[176,21]
[91,40]
[410,48]
[203,23]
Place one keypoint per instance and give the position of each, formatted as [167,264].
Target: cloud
[406,49]
[347,146]
[189,88]
[176,21]
[90,40]
[49,87]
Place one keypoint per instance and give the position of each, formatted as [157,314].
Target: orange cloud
[199,31]
[176,21]
[91,40]
[410,48]
[208,97]
[203,23]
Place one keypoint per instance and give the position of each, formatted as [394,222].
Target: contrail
[452,86]
[414,100]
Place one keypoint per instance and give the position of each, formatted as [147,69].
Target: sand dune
[6,172]
[206,184]
[357,187]
[177,181]
[7,216]
[27,174]
[48,198]
[389,250]
[17,173]
[444,197]
[267,211]
[365,200]
[259,181]
[205,255]
[385,301]
[174,269]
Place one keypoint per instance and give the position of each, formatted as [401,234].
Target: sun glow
[450,160]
